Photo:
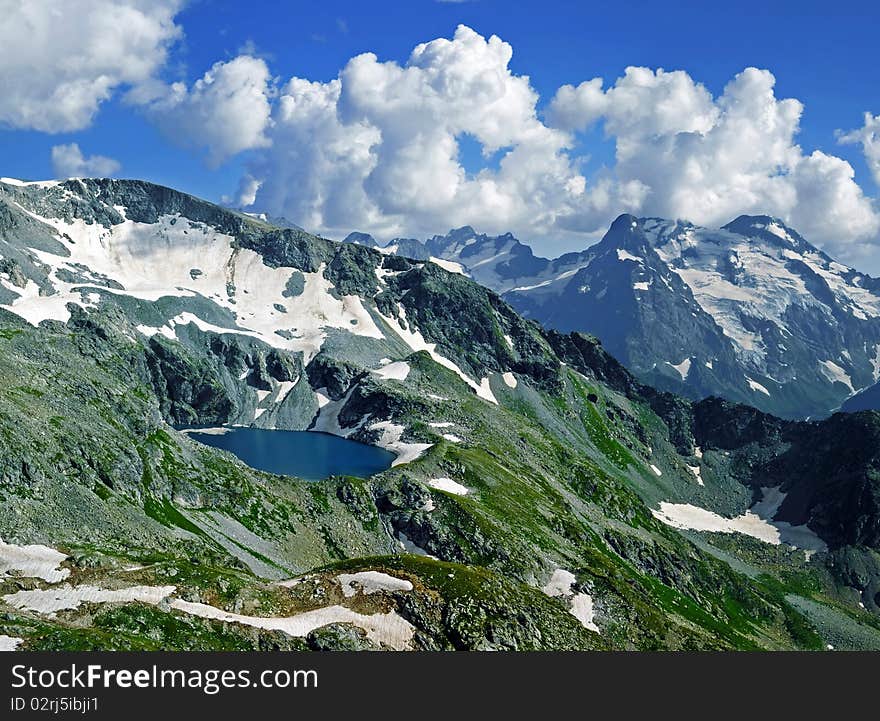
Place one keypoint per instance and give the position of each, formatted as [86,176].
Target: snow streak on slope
[415,340]
[382,628]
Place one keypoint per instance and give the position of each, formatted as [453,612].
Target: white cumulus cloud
[709,159]
[226,111]
[868,136]
[69,162]
[62,58]
[378,147]
[382,148]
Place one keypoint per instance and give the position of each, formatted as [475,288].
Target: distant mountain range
[750,312]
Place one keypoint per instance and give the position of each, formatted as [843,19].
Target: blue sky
[827,62]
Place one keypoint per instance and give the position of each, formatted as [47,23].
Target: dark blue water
[305,454]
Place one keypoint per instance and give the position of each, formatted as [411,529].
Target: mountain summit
[751,312]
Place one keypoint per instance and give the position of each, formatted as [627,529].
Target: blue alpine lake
[305,454]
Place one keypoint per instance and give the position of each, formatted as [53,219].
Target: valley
[537,494]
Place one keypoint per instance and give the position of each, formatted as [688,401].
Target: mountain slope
[750,312]
[525,509]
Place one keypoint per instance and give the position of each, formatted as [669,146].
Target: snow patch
[327,420]
[656,470]
[757,387]
[484,391]
[322,397]
[448,265]
[582,610]
[835,374]
[382,628]
[448,485]
[509,379]
[8,643]
[683,368]
[391,441]
[757,522]
[560,583]
[778,231]
[284,388]
[624,255]
[696,470]
[393,371]
[542,284]
[371,582]
[580,604]
[150,331]
[32,562]
[66,597]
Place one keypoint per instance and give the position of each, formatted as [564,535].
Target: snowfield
[32,562]
[178,258]
[757,522]
[739,278]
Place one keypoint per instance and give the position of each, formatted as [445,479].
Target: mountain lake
[310,455]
